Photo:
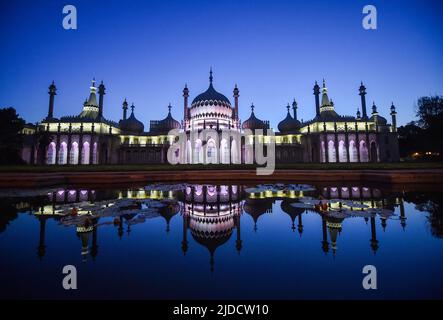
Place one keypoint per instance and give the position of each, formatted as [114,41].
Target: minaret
[394,118]
[101,94]
[358,114]
[236,95]
[294,109]
[125,109]
[185,104]
[362,94]
[52,93]
[317,98]
[374,111]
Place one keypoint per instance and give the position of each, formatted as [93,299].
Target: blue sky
[274,50]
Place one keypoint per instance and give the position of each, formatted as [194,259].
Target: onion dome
[376,117]
[131,124]
[90,106]
[165,125]
[211,104]
[253,123]
[210,95]
[289,124]
[327,110]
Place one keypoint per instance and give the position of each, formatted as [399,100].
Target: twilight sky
[274,50]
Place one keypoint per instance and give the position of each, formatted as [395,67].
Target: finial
[252,107]
[132,107]
[236,86]
[316,83]
[288,107]
[324,83]
[210,76]
[93,82]
[294,104]
[169,107]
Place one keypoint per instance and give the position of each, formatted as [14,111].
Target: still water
[189,241]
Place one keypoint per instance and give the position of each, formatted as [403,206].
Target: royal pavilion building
[90,138]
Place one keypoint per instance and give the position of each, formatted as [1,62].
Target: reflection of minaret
[374,242]
[383,223]
[238,242]
[84,236]
[94,248]
[185,234]
[41,250]
[402,214]
[334,226]
[324,243]
[300,225]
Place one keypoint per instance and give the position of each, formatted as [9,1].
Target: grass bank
[194,167]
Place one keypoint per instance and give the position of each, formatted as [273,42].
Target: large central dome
[210,95]
[211,104]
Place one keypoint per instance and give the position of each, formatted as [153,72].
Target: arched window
[50,158]
[85,153]
[363,152]
[342,153]
[94,153]
[211,152]
[234,152]
[374,152]
[188,152]
[353,156]
[224,149]
[63,153]
[323,151]
[73,155]
[331,151]
[198,152]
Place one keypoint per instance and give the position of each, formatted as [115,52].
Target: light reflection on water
[221,241]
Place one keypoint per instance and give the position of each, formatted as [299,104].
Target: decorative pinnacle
[132,107]
[252,107]
[210,76]
[169,107]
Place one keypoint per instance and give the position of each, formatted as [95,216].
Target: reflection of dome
[253,123]
[131,124]
[257,207]
[211,232]
[289,124]
[290,210]
[168,212]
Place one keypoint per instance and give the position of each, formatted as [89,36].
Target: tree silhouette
[10,136]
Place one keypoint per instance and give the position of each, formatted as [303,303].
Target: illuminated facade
[89,138]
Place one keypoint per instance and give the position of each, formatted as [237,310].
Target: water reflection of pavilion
[213,213]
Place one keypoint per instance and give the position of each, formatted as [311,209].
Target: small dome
[380,120]
[376,117]
[289,124]
[131,124]
[167,124]
[253,123]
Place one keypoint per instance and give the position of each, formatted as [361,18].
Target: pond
[233,241]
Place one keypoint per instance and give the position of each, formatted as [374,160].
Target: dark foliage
[10,137]
[426,134]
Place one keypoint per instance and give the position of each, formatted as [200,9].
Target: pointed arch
[342,152]
[51,154]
